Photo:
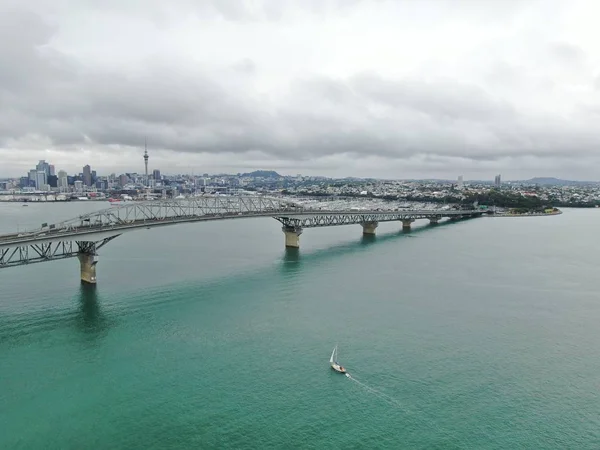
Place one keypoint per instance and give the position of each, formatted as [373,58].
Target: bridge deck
[89,232]
[305,219]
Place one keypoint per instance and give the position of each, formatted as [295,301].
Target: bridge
[84,235]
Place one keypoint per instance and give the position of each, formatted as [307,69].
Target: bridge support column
[406,223]
[292,236]
[369,227]
[434,220]
[88,263]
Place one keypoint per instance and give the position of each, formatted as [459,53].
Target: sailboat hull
[338,368]
[333,361]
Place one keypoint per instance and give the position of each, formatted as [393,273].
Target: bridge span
[84,235]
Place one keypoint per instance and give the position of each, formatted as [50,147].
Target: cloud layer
[363,88]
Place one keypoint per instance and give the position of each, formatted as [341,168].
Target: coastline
[557,212]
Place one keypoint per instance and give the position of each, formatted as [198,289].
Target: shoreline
[553,213]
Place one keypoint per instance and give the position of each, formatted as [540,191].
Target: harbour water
[477,334]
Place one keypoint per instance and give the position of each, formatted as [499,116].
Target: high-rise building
[460,182]
[43,166]
[51,171]
[63,181]
[156,174]
[87,175]
[497,181]
[78,186]
[40,180]
[32,177]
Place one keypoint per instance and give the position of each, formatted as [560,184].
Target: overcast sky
[372,88]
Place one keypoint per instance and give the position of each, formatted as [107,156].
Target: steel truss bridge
[86,234]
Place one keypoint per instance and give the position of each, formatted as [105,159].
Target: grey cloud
[246,66]
[185,108]
[567,53]
[441,99]
[162,13]
[21,33]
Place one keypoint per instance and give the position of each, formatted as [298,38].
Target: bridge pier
[292,236]
[406,223]
[87,262]
[369,227]
[434,220]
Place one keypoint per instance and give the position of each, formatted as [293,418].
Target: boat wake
[389,399]
[383,396]
[392,401]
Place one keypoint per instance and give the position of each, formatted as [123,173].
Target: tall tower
[497,181]
[146,161]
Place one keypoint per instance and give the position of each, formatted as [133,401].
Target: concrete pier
[369,227]
[88,267]
[434,220]
[406,223]
[292,236]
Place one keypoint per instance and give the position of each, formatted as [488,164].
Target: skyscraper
[87,175]
[497,181]
[460,182]
[63,182]
[40,180]
[32,178]
[43,166]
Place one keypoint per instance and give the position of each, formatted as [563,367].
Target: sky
[366,88]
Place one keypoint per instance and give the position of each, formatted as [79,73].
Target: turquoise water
[477,334]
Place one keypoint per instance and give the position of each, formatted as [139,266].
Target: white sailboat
[333,361]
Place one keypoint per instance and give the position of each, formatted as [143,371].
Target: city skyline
[363,88]
[185,169]
[156,174]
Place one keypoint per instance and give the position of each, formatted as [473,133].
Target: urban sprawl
[43,183]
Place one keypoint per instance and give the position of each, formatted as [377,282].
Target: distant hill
[262,174]
[551,181]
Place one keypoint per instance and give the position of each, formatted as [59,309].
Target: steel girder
[88,232]
[329,220]
[162,212]
[48,251]
[201,206]
[150,213]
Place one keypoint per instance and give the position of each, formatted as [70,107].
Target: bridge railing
[153,210]
[204,206]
